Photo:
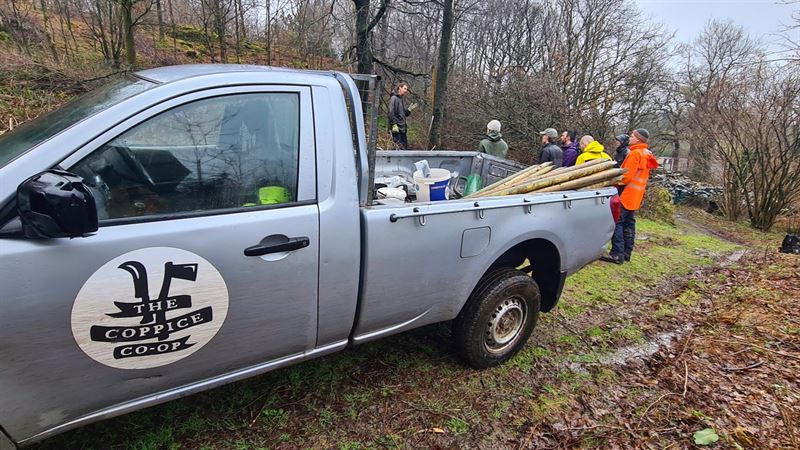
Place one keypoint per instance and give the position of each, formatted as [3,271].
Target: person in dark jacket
[569,145]
[493,144]
[622,149]
[551,152]
[398,114]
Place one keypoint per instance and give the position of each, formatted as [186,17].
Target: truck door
[205,262]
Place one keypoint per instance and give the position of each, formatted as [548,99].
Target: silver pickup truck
[189,226]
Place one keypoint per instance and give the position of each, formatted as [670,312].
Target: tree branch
[395,69]
[378,15]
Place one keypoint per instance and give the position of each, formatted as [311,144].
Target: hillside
[33,82]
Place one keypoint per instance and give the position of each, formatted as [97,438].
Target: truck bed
[421,260]
[400,163]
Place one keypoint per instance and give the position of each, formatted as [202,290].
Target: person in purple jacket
[570,147]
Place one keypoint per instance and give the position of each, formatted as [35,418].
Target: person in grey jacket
[398,114]
[550,149]
[493,144]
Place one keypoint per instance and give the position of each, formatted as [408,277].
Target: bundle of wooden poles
[544,177]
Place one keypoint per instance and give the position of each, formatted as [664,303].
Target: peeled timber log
[606,183]
[537,168]
[561,170]
[535,175]
[597,178]
[527,175]
[535,185]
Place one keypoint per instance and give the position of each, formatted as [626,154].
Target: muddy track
[673,386]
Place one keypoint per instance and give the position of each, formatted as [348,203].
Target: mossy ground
[662,251]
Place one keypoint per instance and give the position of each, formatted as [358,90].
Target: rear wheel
[498,318]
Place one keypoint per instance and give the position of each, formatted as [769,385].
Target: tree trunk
[127,25]
[384,36]
[219,25]
[363,52]
[443,64]
[68,15]
[160,17]
[172,26]
[242,31]
[47,32]
[269,32]
[237,31]
[22,35]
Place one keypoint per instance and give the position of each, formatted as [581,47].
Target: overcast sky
[686,18]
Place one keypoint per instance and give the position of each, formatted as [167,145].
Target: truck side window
[213,154]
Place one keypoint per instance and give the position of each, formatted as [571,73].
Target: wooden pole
[521,173]
[529,176]
[541,183]
[607,183]
[510,181]
[604,176]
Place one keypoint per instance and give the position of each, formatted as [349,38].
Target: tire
[497,319]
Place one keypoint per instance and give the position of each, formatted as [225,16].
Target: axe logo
[149,307]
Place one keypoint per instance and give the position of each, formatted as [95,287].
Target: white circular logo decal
[149,307]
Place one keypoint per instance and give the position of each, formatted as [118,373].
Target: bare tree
[720,54]
[364,27]
[104,21]
[133,11]
[756,132]
[47,31]
[791,44]
[442,70]
[745,110]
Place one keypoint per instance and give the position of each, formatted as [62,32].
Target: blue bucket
[433,187]
[438,190]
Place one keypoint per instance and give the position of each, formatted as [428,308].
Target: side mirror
[55,204]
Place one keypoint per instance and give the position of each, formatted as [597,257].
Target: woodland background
[727,104]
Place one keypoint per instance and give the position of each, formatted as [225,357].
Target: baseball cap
[549,132]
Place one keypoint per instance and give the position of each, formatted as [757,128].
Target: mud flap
[551,290]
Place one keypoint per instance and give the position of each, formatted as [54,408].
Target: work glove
[395,128]
[412,106]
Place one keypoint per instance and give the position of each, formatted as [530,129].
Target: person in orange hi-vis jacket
[639,162]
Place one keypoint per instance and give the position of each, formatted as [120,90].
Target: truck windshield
[33,133]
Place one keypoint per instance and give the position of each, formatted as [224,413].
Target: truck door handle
[294,243]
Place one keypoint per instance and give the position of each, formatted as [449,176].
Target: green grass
[665,310]
[275,417]
[667,251]
[414,132]
[550,403]
[500,408]
[630,333]
[457,425]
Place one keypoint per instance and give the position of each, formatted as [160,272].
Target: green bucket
[269,195]
[473,184]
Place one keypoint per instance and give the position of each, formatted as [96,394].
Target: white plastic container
[432,188]
[390,192]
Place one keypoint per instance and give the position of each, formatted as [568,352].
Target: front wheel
[498,318]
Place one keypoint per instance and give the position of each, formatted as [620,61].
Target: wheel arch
[545,260]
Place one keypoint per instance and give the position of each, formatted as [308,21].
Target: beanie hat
[623,139]
[493,125]
[642,134]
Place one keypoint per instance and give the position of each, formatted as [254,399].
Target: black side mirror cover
[55,204]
